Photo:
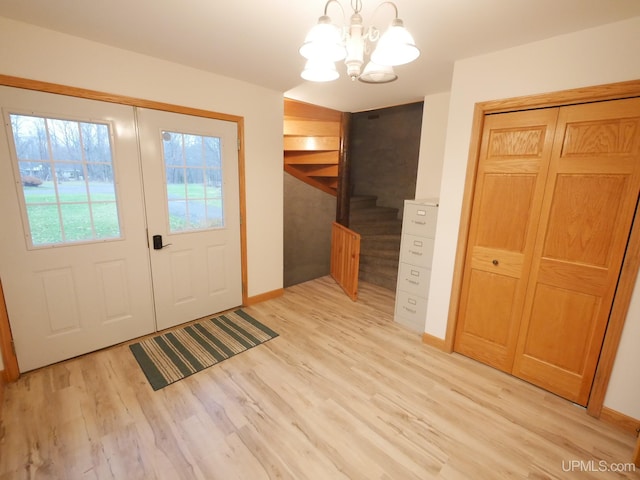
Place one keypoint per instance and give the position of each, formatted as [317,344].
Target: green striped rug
[174,355]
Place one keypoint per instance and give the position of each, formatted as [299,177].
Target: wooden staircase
[312,144]
[379,229]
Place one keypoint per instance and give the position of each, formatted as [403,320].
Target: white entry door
[77,263]
[73,249]
[190,172]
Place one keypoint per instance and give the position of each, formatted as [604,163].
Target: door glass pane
[193,166]
[64,138]
[68,185]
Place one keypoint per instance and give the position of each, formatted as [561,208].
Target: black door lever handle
[157,242]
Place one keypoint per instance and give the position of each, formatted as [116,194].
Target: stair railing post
[344,173]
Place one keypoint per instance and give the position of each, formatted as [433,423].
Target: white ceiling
[257,40]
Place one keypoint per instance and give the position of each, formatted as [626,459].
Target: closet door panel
[514,158]
[589,205]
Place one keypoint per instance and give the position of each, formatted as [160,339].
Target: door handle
[157,242]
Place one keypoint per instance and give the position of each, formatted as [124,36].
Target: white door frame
[11,371]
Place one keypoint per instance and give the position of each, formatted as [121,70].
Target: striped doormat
[174,355]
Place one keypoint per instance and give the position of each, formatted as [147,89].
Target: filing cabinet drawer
[413,279]
[419,220]
[411,311]
[416,250]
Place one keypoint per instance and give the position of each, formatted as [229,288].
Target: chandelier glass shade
[327,43]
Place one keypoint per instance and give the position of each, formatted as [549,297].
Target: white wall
[34,53]
[623,394]
[31,52]
[432,140]
[596,56]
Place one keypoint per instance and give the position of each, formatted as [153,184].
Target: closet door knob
[495,262]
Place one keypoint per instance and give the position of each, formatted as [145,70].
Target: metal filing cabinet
[414,271]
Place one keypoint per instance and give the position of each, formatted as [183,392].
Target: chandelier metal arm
[327,43]
[329,2]
[395,7]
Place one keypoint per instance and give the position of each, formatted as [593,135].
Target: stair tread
[358,198]
[382,263]
[362,201]
[376,209]
[379,252]
[390,221]
[380,231]
[383,236]
[392,240]
[370,228]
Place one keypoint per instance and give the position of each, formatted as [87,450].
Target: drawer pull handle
[413,252]
[412,301]
[495,262]
[413,282]
[410,310]
[419,223]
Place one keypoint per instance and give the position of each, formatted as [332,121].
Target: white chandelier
[326,44]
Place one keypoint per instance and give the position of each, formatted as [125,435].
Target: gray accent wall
[383,153]
[308,215]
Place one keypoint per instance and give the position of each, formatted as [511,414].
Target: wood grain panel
[512,166]
[609,137]
[314,128]
[585,224]
[557,315]
[593,281]
[584,212]
[345,258]
[343,392]
[10,362]
[319,170]
[311,158]
[621,421]
[296,110]
[325,187]
[503,211]
[509,263]
[489,308]
[311,144]
[516,142]
[631,265]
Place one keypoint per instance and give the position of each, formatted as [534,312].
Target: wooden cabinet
[414,271]
[554,200]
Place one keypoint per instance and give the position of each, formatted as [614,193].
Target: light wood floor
[342,393]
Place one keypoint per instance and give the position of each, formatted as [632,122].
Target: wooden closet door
[512,170]
[588,208]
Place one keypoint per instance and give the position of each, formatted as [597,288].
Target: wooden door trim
[9,359]
[8,354]
[631,263]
